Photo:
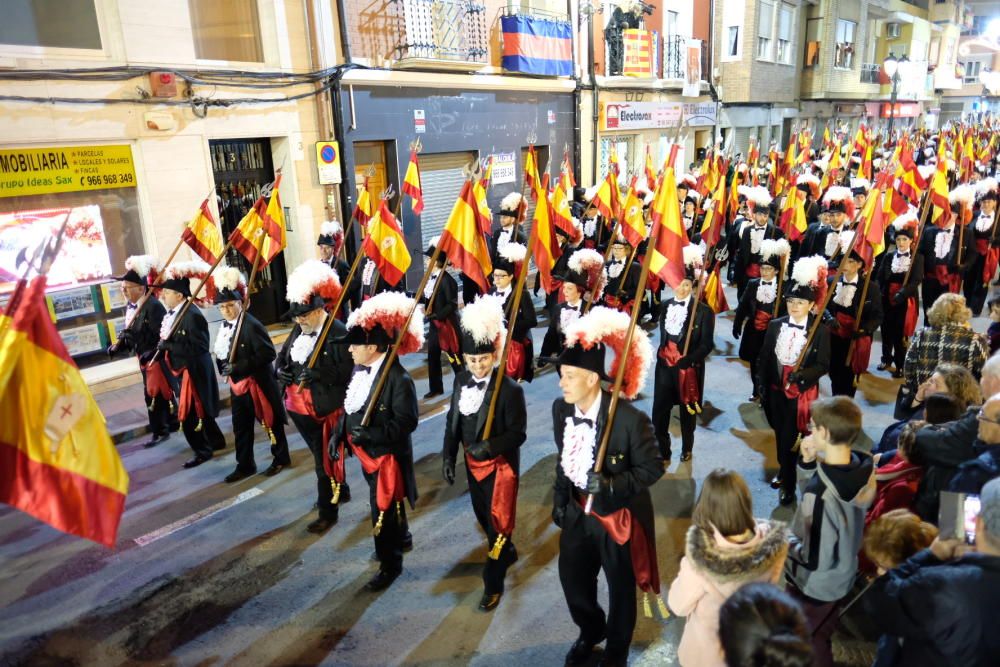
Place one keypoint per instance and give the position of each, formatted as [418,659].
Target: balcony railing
[454,30]
[869,72]
[673,56]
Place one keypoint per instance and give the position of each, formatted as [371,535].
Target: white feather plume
[193,267]
[330,228]
[964,194]
[807,269]
[610,326]
[693,255]
[584,258]
[590,192]
[985,186]
[846,241]
[822,164]
[774,248]
[837,193]
[483,320]
[305,279]
[906,219]
[390,310]
[434,241]
[926,171]
[228,278]
[759,196]
[511,201]
[861,183]
[514,252]
[143,264]
[806,178]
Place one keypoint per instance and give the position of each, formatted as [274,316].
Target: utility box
[163,84]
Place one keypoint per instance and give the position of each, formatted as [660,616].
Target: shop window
[226,30]
[844,53]
[624,147]
[63,24]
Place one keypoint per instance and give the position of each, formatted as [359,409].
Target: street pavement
[211,573]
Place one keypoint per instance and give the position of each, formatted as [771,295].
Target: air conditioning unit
[892,30]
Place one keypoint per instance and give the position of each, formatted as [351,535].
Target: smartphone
[957,516]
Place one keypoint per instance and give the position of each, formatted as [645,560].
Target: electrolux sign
[656,115]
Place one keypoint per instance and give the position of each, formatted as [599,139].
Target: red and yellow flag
[667,262]
[650,169]
[262,229]
[386,246]
[869,240]
[941,213]
[483,212]
[411,184]
[607,199]
[545,247]
[714,296]
[202,234]
[365,208]
[792,218]
[57,460]
[463,241]
[633,225]
[531,178]
[715,215]
[911,183]
[562,216]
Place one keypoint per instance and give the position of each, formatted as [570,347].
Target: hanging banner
[638,53]
[692,68]
[40,171]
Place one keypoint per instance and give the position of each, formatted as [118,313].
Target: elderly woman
[947,338]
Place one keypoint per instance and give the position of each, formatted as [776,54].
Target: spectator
[947,338]
[888,542]
[943,602]
[762,626]
[828,525]
[993,333]
[941,449]
[951,379]
[726,547]
[973,474]
[897,481]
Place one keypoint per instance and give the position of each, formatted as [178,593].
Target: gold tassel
[497,547]
[378,525]
[798,440]
[697,407]
[270,433]
[661,605]
[152,405]
[647,609]
[336,491]
[198,427]
[172,406]
[689,408]
[399,512]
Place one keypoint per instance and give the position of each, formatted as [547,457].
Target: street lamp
[991,81]
[896,70]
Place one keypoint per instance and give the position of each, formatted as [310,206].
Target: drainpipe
[595,91]
[577,115]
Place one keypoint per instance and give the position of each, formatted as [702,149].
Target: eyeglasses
[981,416]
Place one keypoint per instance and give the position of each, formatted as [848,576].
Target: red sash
[300,402]
[189,395]
[622,529]
[910,319]
[753,270]
[516,359]
[805,399]
[261,406]
[157,384]
[847,325]
[990,266]
[982,245]
[687,377]
[504,504]
[862,354]
[760,319]
[334,469]
[389,484]
[447,337]
[942,274]
[618,304]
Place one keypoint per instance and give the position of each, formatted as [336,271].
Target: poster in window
[81,340]
[83,257]
[692,68]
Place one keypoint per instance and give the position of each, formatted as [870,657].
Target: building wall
[747,79]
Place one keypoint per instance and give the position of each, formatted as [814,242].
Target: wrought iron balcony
[442,30]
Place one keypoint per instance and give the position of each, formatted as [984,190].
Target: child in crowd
[761,625]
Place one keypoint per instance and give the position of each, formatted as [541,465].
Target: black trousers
[162,413]
[930,290]
[389,541]
[494,571]
[205,441]
[751,342]
[312,433]
[585,549]
[435,378]
[552,342]
[974,288]
[841,374]
[244,421]
[782,416]
[893,344]
[666,394]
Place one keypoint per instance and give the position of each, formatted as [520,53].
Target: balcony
[870,72]
[446,34]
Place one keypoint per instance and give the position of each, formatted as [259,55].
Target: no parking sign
[328,162]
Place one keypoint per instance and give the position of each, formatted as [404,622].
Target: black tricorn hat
[224,295]
[470,346]
[801,291]
[358,335]
[181,285]
[503,264]
[589,360]
[132,277]
[577,278]
[295,308]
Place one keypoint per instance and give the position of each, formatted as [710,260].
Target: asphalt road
[210,573]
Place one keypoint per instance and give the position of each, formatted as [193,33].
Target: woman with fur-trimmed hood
[726,548]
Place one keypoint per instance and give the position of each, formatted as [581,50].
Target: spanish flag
[869,240]
[668,232]
[562,217]
[941,213]
[650,169]
[531,173]
[545,246]
[463,241]
[633,225]
[714,296]
[715,214]
[411,184]
[364,209]
[386,246]
[203,235]
[262,230]
[57,461]
[792,218]
[607,199]
[483,211]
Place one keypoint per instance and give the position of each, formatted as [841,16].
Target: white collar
[376,366]
[592,413]
[683,301]
[799,323]
[575,306]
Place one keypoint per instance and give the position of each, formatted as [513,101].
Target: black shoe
[155,440]
[238,475]
[666,460]
[345,495]
[275,468]
[580,652]
[685,456]
[883,366]
[196,461]
[433,394]
[219,447]
[407,542]
[381,581]
[754,398]
[321,525]
[786,497]
[489,601]
[608,660]
[898,374]
[776,482]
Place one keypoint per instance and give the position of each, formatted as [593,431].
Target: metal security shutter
[441,177]
[741,142]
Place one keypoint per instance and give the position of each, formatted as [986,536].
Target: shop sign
[419,121]
[699,114]
[901,110]
[328,162]
[504,168]
[656,115]
[39,171]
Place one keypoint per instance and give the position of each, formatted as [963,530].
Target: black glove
[558,515]
[795,378]
[362,435]
[858,334]
[307,375]
[448,470]
[598,483]
[285,377]
[334,451]
[126,339]
[145,357]
[164,346]
[479,451]
[430,317]
[736,332]
[112,349]
[684,362]
[225,368]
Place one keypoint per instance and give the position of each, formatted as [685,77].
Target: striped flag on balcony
[537,46]
[638,52]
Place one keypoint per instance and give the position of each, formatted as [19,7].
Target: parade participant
[810,184]
[987,246]
[584,270]
[757,307]
[551,343]
[621,286]
[787,390]
[944,246]
[314,397]
[443,316]
[734,230]
[899,301]
[859,194]
[383,445]
[520,357]
[618,534]
[510,207]
[692,221]
[143,317]
[680,365]
[686,184]
[247,364]
[849,331]
[492,460]
[591,222]
[184,343]
[330,243]
[748,250]
[824,238]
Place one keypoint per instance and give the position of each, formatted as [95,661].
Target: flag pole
[781,279]
[246,302]
[920,232]
[861,307]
